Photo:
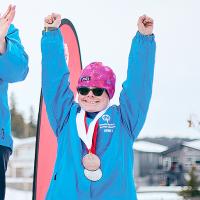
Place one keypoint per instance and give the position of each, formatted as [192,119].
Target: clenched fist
[145,25]
[52,21]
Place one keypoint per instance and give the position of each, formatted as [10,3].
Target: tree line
[20,128]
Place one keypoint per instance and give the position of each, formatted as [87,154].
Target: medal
[88,135]
[93,175]
[91,162]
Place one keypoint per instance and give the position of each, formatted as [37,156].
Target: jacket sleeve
[14,62]
[137,88]
[57,94]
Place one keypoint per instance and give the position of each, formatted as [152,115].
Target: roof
[149,147]
[195,144]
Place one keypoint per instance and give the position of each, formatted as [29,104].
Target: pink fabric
[97,75]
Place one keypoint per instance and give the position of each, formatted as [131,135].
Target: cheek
[80,98]
[104,101]
[105,98]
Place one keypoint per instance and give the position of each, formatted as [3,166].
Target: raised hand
[145,25]
[6,20]
[52,21]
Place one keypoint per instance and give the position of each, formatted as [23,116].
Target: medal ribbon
[87,137]
[94,138]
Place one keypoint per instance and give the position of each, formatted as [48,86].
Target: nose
[90,94]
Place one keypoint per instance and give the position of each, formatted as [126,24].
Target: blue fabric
[118,127]
[13,68]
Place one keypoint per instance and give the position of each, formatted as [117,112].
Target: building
[178,161]
[21,164]
[147,162]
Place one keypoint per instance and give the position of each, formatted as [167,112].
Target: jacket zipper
[2,133]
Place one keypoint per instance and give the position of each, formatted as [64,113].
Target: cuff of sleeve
[145,37]
[50,29]
[56,33]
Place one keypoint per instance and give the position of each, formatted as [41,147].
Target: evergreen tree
[31,125]
[17,120]
[193,185]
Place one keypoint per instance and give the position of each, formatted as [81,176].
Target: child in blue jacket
[95,156]
[13,68]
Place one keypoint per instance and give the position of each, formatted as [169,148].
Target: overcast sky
[105,29]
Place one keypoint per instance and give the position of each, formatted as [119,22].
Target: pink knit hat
[97,75]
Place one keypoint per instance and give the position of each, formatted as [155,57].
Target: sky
[105,29]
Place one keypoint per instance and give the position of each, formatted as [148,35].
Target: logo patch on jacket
[107,126]
[85,78]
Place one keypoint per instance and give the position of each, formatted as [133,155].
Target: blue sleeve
[57,94]
[14,62]
[137,88]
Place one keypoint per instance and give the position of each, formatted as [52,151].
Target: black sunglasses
[96,91]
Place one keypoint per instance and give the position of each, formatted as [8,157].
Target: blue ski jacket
[13,68]
[116,133]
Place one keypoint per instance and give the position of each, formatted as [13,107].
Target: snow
[144,193]
[159,193]
[18,180]
[150,147]
[19,142]
[193,144]
[12,194]
[159,196]
[174,189]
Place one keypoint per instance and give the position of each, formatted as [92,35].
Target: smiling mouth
[90,102]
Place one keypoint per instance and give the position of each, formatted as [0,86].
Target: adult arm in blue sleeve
[14,62]
[137,89]
[57,94]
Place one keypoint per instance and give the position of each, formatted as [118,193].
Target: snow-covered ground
[158,196]
[12,194]
[159,193]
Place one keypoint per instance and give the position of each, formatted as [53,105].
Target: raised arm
[137,89]
[13,58]
[55,74]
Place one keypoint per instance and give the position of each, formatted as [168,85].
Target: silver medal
[93,175]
